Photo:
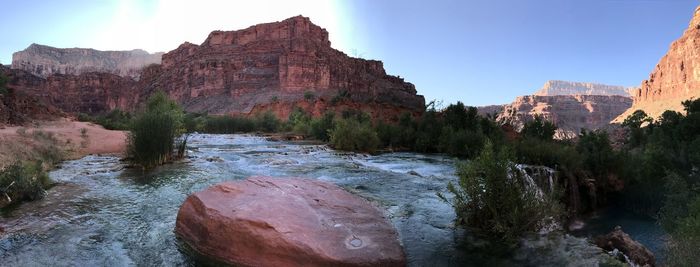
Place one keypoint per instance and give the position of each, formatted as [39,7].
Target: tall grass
[151,141]
[22,181]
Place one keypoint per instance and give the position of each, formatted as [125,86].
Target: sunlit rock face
[44,61]
[265,221]
[675,78]
[551,88]
[570,113]
[272,66]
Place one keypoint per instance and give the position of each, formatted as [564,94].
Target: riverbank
[68,139]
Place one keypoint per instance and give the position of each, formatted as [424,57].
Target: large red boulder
[264,221]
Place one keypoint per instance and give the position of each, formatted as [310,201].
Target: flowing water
[103,214]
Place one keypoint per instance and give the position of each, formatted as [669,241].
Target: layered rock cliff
[570,113]
[675,78]
[44,61]
[273,66]
[19,106]
[555,87]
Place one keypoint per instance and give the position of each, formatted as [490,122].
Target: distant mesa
[554,87]
[44,61]
[675,78]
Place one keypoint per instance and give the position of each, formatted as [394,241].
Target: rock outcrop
[263,221]
[44,61]
[276,65]
[572,106]
[273,66]
[675,78]
[633,251]
[570,113]
[21,106]
[554,87]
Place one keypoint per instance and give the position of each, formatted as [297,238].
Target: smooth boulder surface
[265,221]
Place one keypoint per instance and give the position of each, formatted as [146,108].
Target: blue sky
[476,51]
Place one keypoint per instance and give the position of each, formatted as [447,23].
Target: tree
[539,128]
[3,84]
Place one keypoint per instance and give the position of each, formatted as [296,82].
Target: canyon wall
[275,65]
[572,106]
[570,113]
[267,67]
[44,61]
[675,78]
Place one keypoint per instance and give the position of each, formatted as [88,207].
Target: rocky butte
[273,66]
[44,61]
[570,112]
[675,78]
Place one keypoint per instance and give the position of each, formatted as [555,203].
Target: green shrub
[3,84]
[539,128]
[228,124]
[22,181]
[268,122]
[309,95]
[151,141]
[684,247]
[493,199]
[352,135]
[320,127]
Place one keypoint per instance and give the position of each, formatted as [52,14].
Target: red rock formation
[263,221]
[44,61]
[675,79]
[633,250]
[569,113]
[275,65]
[272,66]
[20,106]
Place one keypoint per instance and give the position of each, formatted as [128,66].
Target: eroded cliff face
[675,78]
[276,65]
[44,61]
[570,113]
[273,66]
[555,87]
[19,106]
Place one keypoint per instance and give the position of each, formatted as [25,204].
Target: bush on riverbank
[23,181]
[113,120]
[151,141]
[353,135]
[493,198]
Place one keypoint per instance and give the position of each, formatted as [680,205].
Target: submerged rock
[633,251]
[264,221]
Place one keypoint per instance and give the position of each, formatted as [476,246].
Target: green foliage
[154,131]
[492,198]
[309,95]
[342,95]
[3,84]
[268,122]
[539,128]
[354,135]
[228,124]
[321,127]
[23,181]
[685,245]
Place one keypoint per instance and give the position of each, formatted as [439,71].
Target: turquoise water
[103,214]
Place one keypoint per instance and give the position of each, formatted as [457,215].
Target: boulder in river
[633,250]
[265,221]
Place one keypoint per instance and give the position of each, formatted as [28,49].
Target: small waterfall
[538,178]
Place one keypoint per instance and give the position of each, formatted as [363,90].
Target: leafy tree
[539,128]
[354,135]
[3,84]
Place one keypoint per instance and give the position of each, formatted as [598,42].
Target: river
[101,213]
